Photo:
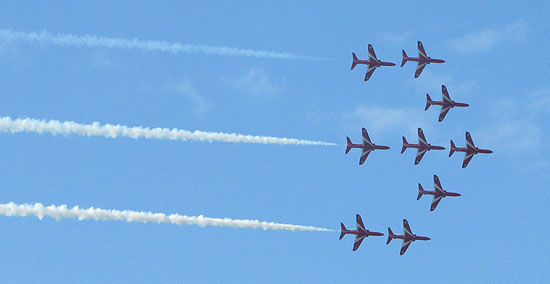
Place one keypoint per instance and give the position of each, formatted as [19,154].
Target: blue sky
[496,53]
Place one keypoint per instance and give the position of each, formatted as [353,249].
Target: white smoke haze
[114,131]
[97,214]
[144,45]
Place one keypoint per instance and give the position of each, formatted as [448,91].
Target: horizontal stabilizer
[348,145]
[390,236]
[404,145]
[428,102]
[343,228]
[420,191]
[354,63]
[405,57]
[453,148]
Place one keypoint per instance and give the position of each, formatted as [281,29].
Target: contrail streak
[145,45]
[113,131]
[62,212]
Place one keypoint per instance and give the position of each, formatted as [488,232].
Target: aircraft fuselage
[361,233]
[372,62]
[422,146]
[367,147]
[413,237]
[423,60]
[437,193]
[469,150]
[446,104]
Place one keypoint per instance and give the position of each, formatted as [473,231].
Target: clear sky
[497,61]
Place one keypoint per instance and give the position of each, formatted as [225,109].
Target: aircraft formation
[446,104]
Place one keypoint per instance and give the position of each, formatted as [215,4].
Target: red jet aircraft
[423,146]
[438,193]
[408,237]
[373,62]
[446,104]
[360,233]
[422,59]
[469,151]
[367,147]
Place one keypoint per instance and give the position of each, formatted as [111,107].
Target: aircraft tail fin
[390,236]
[405,143]
[349,145]
[343,228]
[405,58]
[420,191]
[453,148]
[428,102]
[354,60]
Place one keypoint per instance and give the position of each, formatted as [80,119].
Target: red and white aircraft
[438,193]
[373,62]
[360,233]
[408,237]
[423,146]
[446,103]
[423,59]
[469,151]
[367,146]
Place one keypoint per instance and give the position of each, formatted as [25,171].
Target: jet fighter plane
[360,233]
[438,193]
[408,237]
[469,151]
[446,103]
[423,146]
[367,146]
[422,59]
[373,62]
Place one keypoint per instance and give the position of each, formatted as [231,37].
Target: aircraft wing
[437,184]
[366,138]
[435,202]
[421,51]
[443,113]
[359,222]
[467,158]
[370,71]
[406,228]
[419,69]
[419,155]
[421,137]
[364,155]
[371,52]
[469,141]
[358,241]
[405,246]
[446,96]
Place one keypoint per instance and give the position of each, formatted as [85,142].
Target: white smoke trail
[113,131]
[62,212]
[145,45]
